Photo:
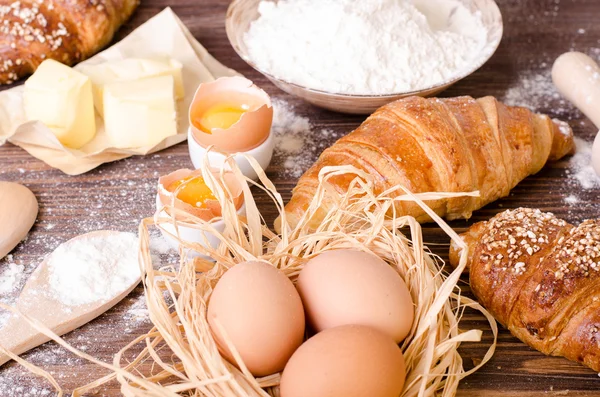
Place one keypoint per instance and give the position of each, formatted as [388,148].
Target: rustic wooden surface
[116,196]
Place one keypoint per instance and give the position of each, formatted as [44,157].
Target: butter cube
[61,98]
[131,69]
[140,113]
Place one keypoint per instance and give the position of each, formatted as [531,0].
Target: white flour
[534,91]
[365,47]
[11,278]
[571,199]
[580,166]
[297,143]
[137,314]
[93,269]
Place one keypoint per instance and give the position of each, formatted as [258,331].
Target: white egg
[262,154]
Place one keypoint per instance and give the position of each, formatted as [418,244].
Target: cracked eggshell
[213,207]
[253,127]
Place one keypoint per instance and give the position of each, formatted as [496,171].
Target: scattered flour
[571,199]
[291,131]
[160,246]
[93,269]
[366,47]
[563,127]
[297,142]
[137,312]
[11,278]
[537,92]
[580,166]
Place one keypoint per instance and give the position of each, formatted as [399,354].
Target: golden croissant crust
[440,145]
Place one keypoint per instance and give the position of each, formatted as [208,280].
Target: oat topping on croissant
[540,277]
[68,31]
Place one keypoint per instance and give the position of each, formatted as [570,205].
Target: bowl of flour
[355,56]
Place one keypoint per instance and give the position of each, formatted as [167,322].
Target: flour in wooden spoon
[89,270]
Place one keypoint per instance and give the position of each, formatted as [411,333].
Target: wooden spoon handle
[577,77]
[18,337]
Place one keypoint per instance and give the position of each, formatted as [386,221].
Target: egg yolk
[221,116]
[195,193]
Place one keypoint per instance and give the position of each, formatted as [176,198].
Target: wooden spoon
[577,77]
[37,301]
[18,211]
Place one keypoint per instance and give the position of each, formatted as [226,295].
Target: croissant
[440,145]
[540,278]
[68,31]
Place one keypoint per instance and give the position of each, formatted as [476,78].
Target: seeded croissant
[440,145]
[67,31]
[540,278]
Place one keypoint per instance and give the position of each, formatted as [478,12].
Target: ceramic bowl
[189,233]
[241,13]
[262,154]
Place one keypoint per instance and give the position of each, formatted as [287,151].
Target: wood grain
[116,196]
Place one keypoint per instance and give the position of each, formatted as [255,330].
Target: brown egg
[230,113]
[347,361]
[341,287]
[261,313]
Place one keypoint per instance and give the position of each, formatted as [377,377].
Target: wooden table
[118,195]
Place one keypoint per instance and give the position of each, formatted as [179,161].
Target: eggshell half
[262,154]
[261,313]
[341,287]
[252,128]
[213,207]
[348,361]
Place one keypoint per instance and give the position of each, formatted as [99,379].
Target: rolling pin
[577,78]
[18,212]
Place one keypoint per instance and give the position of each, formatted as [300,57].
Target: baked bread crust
[440,145]
[67,31]
[540,278]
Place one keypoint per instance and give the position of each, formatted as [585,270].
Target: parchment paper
[164,35]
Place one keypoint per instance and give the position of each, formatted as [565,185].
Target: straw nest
[179,356]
